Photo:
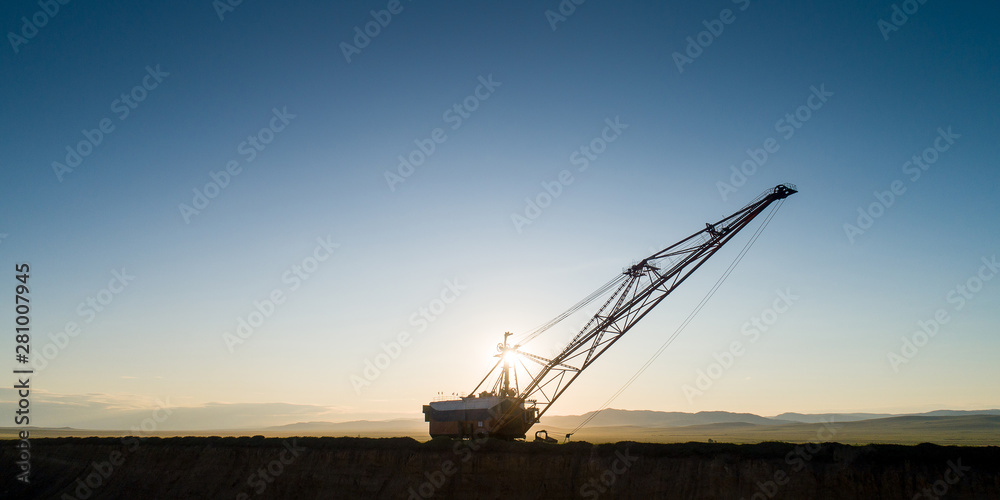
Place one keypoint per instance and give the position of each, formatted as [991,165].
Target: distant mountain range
[973,428]
[630,418]
[648,418]
[854,417]
[401,426]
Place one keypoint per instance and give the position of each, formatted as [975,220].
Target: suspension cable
[569,312]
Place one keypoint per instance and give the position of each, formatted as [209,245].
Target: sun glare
[511,357]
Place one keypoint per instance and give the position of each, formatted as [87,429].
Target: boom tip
[785,190]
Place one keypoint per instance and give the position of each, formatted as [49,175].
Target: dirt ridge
[310,467]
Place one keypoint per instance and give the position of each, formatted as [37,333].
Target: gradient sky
[324,176]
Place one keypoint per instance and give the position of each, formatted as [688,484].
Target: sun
[511,357]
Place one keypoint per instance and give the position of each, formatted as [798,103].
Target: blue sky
[333,129]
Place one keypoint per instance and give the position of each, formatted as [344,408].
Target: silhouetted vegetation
[874,454]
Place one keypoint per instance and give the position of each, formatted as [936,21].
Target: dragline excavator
[504,409]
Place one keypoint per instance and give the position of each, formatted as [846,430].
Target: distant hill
[648,418]
[969,430]
[395,427]
[957,413]
[854,417]
[827,417]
